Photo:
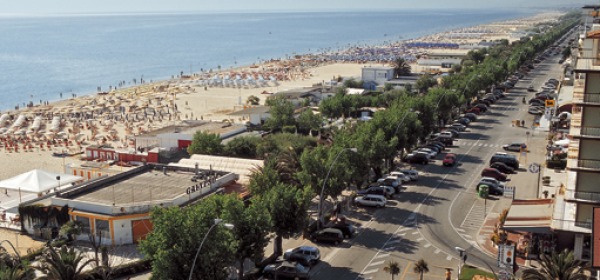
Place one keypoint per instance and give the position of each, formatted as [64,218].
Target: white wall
[123,231]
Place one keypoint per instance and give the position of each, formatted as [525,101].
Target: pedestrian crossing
[465,143]
[476,216]
[398,239]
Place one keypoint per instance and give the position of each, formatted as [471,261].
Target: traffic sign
[550,103]
[534,168]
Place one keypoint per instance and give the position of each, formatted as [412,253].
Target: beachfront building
[117,208]
[378,74]
[575,202]
[255,115]
[299,95]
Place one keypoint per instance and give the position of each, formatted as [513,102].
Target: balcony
[586,132]
[590,165]
[587,225]
[576,117]
[582,196]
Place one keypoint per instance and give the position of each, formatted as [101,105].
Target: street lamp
[216,223]
[325,182]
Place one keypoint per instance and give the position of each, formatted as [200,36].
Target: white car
[400,175]
[432,153]
[458,126]
[491,182]
[371,200]
[412,174]
[389,181]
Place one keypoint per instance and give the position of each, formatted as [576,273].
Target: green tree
[308,121]
[244,147]
[251,227]
[264,178]
[288,208]
[206,143]
[16,271]
[177,234]
[393,268]
[424,83]
[421,267]
[281,114]
[64,264]
[253,100]
[557,266]
[401,67]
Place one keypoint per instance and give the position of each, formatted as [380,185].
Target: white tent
[37,181]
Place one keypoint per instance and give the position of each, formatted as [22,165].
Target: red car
[449,160]
[474,110]
[494,173]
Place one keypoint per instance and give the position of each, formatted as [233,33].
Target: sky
[158,6]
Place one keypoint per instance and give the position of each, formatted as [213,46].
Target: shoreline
[117,116]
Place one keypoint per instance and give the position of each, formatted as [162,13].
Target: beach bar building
[117,208]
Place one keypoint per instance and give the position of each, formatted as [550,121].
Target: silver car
[371,200]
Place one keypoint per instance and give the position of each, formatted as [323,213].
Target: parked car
[463,121]
[471,116]
[505,158]
[310,253]
[371,200]
[458,126]
[515,147]
[531,89]
[329,235]
[412,174]
[493,190]
[347,230]
[431,147]
[536,102]
[404,178]
[376,190]
[441,146]
[491,181]
[449,160]
[494,173]
[481,107]
[455,133]
[473,110]
[389,181]
[292,270]
[536,110]
[502,167]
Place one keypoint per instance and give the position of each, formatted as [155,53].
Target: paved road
[442,211]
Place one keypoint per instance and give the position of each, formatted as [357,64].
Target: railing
[588,163]
[590,131]
[591,98]
[583,224]
[589,196]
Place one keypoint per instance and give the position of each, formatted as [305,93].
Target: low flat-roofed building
[255,115]
[379,74]
[118,207]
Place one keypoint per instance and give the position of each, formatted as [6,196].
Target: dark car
[347,230]
[505,158]
[437,144]
[330,235]
[531,89]
[502,167]
[481,107]
[485,102]
[494,173]
[420,158]
[493,190]
[463,121]
[537,102]
[471,116]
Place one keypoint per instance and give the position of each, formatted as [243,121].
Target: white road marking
[420,239]
[371,271]
[448,258]
[427,245]
[415,233]
[395,241]
[460,229]
[383,255]
[437,251]
[376,263]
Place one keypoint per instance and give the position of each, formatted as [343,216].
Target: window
[102,228]
[85,224]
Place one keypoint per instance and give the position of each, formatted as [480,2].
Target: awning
[533,215]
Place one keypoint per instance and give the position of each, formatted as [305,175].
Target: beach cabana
[38,181]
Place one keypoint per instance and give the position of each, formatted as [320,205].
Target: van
[505,158]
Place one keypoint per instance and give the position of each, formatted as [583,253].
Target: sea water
[44,56]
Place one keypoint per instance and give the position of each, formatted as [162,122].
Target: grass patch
[468,272]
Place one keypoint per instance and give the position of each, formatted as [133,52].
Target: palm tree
[555,266]
[17,272]
[401,67]
[66,264]
[393,268]
[421,267]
